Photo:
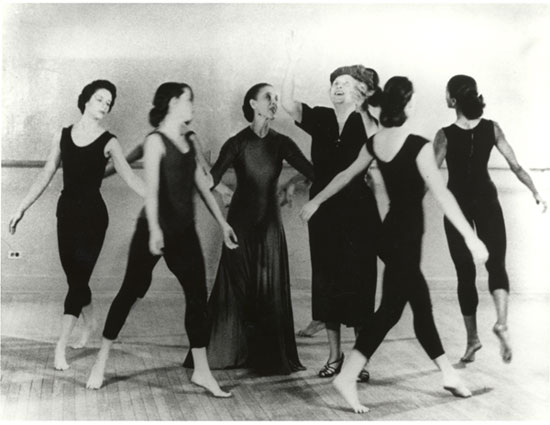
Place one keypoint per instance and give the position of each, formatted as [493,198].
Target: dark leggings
[81,227]
[403,282]
[488,220]
[183,256]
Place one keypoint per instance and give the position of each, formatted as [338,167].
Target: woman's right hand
[478,250]
[308,210]
[156,242]
[294,47]
[14,220]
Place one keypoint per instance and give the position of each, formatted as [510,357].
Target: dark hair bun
[89,90]
[395,97]
[463,89]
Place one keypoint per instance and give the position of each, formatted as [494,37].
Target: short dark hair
[397,93]
[252,93]
[89,90]
[463,89]
[161,101]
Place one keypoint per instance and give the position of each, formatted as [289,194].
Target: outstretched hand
[229,237]
[478,250]
[541,202]
[294,46]
[286,195]
[14,220]
[156,242]
[308,210]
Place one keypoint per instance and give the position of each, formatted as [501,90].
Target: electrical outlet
[14,255]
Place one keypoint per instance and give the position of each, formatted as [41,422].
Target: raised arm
[154,150]
[40,184]
[429,171]
[361,163]
[440,147]
[122,167]
[203,186]
[506,150]
[290,105]
[134,155]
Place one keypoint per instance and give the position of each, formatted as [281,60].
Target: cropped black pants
[183,256]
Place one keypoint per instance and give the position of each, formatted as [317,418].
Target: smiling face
[342,89]
[99,104]
[266,103]
[183,106]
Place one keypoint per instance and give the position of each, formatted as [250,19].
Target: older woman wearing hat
[342,233]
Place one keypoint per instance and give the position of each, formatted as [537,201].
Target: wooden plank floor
[145,380]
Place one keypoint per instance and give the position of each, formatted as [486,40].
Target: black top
[404,184]
[83,167]
[468,153]
[176,185]
[332,152]
[258,163]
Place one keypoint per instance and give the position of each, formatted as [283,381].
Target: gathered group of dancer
[248,321]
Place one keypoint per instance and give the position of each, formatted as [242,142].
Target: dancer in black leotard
[166,226]
[250,308]
[466,146]
[406,162]
[83,150]
[341,235]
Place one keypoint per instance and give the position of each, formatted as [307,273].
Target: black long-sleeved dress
[250,309]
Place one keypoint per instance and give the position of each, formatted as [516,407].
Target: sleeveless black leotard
[182,251]
[400,248]
[468,153]
[82,217]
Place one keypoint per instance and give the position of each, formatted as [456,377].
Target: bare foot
[348,390]
[470,354]
[60,362]
[501,331]
[86,332]
[208,382]
[312,328]
[458,390]
[95,380]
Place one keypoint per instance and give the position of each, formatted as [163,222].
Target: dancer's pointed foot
[458,390]
[97,375]
[348,390]
[208,382]
[501,331]
[60,362]
[311,329]
[470,354]
[86,332]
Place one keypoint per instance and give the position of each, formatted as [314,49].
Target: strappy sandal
[364,376]
[332,368]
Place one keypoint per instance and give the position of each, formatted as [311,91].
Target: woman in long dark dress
[341,235]
[250,308]
[407,163]
[466,146]
[82,219]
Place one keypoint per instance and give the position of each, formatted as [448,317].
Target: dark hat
[365,75]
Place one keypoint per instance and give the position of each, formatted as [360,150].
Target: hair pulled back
[463,89]
[161,101]
[252,93]
[397,93]
[89,90]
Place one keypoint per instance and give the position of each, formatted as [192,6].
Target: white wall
[51,51]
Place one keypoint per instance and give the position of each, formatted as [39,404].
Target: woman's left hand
[308,210]
[229,237]
[286,195]
[541,202]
